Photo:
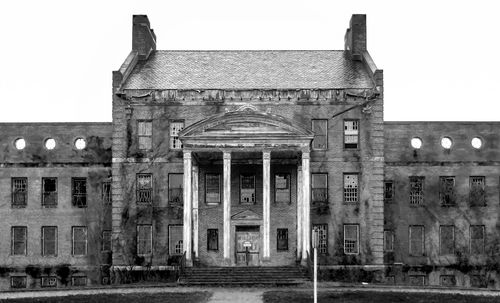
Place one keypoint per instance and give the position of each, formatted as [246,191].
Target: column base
[303,262]
[189,263]
[227,262]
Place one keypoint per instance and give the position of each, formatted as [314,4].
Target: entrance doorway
[247,245]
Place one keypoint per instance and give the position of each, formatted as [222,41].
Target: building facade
[233,158]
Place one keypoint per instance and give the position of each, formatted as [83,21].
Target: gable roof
[322,69]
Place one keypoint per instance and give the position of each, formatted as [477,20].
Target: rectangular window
[79,281]
[49,240]
[144,240]
[322,237]
[416,190]
[144,188]
[106,193]
[447,191]
[478,281]
[212,188]
[213,239]
[319,188]
[145,133]
[18,282]
[320,129]
[175,128]
[106,241]
[447,239]
[477,236]
[19,244]
[79,240]
[175,189]
[447,280]
[282,237]
[351,133]
[351,239]
[247,189]
[49,281]
[282,188]
[416,235]
[49,192]
[79,192]
[350,188]
[388,241]
[388,191]
[477,195]
[175,233]
[416,280]
[19,192]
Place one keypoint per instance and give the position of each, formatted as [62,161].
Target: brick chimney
[355,37]
[143,37]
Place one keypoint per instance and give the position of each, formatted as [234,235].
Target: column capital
[266,154]
[226,155]
[187,154]
[306,155]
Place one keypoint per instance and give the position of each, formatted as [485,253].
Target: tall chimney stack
[143,37]
[355,37]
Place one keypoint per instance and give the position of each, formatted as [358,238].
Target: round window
[80,143]
[20,143]
[50,144]
[416,143]
[446,142]
[476,142]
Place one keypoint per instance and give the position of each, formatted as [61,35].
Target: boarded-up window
[49,240]
[350,188]
[388,240]
[79,240]
[320,129]
[477,193]
[388,191]
[322,237]
[282,188]
[19,192]
[175,189]
[447,280]
[212,188]
[247,189]
[144,188]
[19,240]
[478,281]
[106,241]
[282,237]
[49,192]
[49,281]
[79,192]
[351,239]
[319,188]
[416,190]
[212,239]
[144,239]
[416,235]
[175,233]
[351,133]
[175,128]
[106,193]
[477,236]
[79,281]
[145,133]
[447,191]
[447,239]
[416,280]
[18,282]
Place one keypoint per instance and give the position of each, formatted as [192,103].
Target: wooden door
[247,240]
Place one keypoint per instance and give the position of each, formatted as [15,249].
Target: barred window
[320,129]
[48,281]
[477,236]
[351,133]
[19,244]
[144,188]
[18,282]
[447,191]
[79,240]
[416,190]
[351,239]
[322,237]
[350,188]
[282,188]
[175,189]
[145,133]
[19,192]
[175,129]
[106,241]
[213,239]
[49,192]
[416,235]
[79,192]
[388,241]
[447,239]
[49,240]
[282,237]
[144,239]
[79,281]
[388,191]
[477,195]
[106,193]
[175,235]
[212,188]
[247,189]
[447,280]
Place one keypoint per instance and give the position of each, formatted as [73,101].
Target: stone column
[266,198]
[187,207]
[300,210]
[306,197]
[195,211]
[227,206]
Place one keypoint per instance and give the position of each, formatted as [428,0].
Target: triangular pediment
[246,215]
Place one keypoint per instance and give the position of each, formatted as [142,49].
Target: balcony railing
[144,196]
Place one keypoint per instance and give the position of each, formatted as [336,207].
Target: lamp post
[315,237]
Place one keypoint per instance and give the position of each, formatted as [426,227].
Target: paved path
[237,295]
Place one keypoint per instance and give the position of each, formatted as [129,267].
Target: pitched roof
[248,70]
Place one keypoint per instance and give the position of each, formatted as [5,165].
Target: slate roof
[248,70]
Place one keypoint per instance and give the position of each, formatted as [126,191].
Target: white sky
[440,58]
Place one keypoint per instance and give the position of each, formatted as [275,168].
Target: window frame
[388,199]
[483,189]
[325,135]
[48,278]
[141,192]
[139,135]
[13,240]
[15,191]
[74,278]
[288,190]
[48,194]
[410,252]
[216,232]
[345,135]
[206,188]
[282,236]
[357,252]
[181,195]
[24,283]
[322,243]
[416,196]
[171,136]
[75,197]
[389,234]
[254,189]
[149,240]
[441,238]
[43,241]
[443,195]
[106,195]
[173,246]
[324,189]
[106,240]
[344,188]
[85,229]
[483,246]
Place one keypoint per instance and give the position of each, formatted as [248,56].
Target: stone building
[232,158]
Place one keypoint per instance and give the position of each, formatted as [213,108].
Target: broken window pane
[247,189]
[350,188]
[19,192]
[416,190]
[351,133]
[175,128]
[49,192]
[388,191]
[322,237]
[144,190]
[79,192]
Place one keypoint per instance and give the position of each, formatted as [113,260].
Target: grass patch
[168,297]
[375,297]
